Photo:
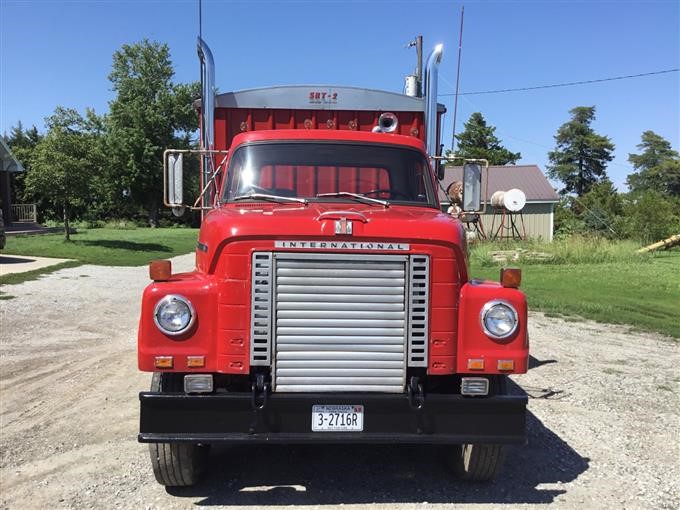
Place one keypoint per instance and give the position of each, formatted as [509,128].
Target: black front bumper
[286,418]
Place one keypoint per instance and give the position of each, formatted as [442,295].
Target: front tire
[478,462]
[176,464]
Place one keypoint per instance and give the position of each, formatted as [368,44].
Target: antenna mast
[455,103]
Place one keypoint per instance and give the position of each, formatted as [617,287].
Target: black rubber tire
[176,464]
[478,462]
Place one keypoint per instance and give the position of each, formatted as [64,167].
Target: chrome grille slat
[342,289]
[388,383]
[320,307]
[341,282]
[283,388]
[419,302]
[339,332]
[335,363]
[341,322]
[261,310]
[326,324]
[334,272]
[340,298]
[346,339]
[339,314]
[339,356]
[282,373]
[375,348]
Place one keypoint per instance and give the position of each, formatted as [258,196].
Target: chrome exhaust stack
[207,117]
[431,119]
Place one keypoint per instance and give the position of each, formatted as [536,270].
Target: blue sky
[59,53]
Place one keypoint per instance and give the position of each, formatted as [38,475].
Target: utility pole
[418,44]
[419,69]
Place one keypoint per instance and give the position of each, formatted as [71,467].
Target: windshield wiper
[356,196]
[273,198]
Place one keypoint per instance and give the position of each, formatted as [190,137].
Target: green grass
[604,281]
[107,246]
[15,278]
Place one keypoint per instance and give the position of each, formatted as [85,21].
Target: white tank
[411,85]
[513,200]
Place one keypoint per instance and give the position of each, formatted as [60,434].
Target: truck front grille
[341,321]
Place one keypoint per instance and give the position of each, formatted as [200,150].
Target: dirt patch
[603,428]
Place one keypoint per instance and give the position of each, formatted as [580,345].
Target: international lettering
[341,245]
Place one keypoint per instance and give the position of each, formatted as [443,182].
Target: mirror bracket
[475,181]
[173,175]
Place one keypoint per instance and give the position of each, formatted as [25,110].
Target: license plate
[337,418]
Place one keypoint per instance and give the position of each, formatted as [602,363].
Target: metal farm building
[538,213]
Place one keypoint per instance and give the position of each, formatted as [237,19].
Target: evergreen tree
[478,141]
[657,167]
[581,155]
[22,143]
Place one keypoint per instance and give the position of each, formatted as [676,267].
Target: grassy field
[595,279]
[606,282]
[108,246]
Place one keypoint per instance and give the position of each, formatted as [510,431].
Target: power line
[508,135]
[567,84]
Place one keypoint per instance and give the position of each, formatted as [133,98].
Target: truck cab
[331,300]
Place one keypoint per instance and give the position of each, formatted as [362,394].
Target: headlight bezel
[487,308]
[169,298]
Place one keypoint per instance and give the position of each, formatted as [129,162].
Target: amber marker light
[160,270]
[475,364]
[195,361]
[163,361]
[511,277]
[506,365]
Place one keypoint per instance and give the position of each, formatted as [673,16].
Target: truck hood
[317,221]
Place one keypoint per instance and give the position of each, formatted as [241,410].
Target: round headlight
[174,315]
[499,319]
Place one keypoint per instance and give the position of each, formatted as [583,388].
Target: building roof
[8,163]
[528,178]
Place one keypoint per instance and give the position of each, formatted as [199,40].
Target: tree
[149,114]
[651,216]
[22,142]
[600,209]
[657,168]
[478,141]
[65,162]
[580,157]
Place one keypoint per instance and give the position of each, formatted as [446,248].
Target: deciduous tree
[149,114]
[581,155]
[65,162]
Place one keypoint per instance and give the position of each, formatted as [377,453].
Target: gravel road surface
[604,423]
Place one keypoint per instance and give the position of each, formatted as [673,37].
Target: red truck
[331,300]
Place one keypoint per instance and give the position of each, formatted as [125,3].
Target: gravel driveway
[604,423]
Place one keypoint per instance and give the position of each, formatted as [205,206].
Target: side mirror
[175,183]
[439,169]
[472,187]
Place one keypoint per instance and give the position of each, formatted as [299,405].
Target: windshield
[330,172]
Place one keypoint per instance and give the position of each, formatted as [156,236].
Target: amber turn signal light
[160,270]
[511,277]
[475,364]
[163,361]
[195,361]
[506,364]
